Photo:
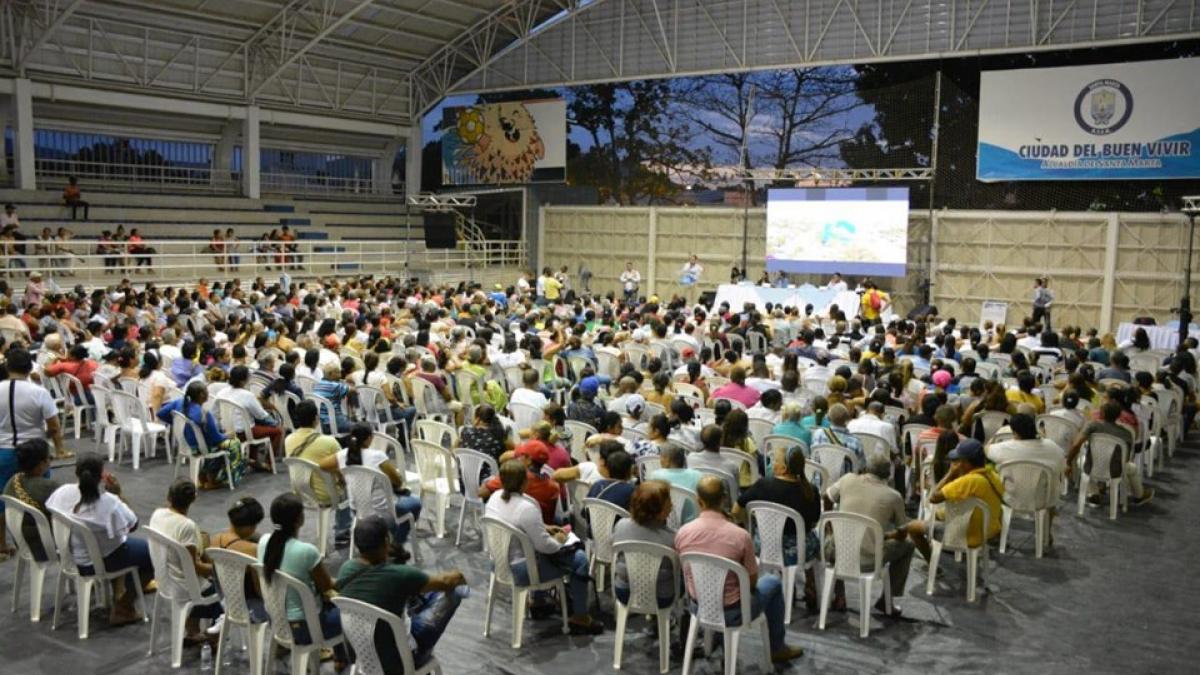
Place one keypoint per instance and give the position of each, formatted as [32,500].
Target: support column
[22,122]
[251,154]
[4,122]
[539,257]
[222,161]
[652,253]
[412,160]
[381,168]
[1111,239]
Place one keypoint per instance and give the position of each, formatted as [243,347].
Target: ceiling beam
[45,36]
[312,42]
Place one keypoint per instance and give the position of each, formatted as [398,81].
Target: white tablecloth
[1161,337]
[739,294]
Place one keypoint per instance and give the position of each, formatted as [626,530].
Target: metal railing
[308,184]
[78,262]
[162,177]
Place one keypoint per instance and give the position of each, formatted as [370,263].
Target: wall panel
[977,256]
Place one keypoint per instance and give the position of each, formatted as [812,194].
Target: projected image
[852,231]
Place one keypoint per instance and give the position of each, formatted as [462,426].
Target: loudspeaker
[1144,321]
[921,312]
[439,230]
[707,298]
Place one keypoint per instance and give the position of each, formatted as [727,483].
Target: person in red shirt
[535,454]
[78,365]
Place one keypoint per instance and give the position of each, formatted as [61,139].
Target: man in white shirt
[530,393]
[836,284]
[630,279]
[1027,446]
[173,521]
[169,350]
[872,422]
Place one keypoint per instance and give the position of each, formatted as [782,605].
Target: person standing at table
[1043,297]
[836,284]
[689,276]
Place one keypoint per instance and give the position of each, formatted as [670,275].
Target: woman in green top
[282,551]
[819,418]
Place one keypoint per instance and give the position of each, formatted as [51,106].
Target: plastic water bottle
[206,657]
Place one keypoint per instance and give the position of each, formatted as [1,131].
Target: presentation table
[738,295]
[1161,337]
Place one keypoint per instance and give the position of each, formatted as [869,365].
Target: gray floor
[1109,598]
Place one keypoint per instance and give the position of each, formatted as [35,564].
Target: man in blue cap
[585,408]
[969,476]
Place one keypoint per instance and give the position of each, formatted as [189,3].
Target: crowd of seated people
[640,400]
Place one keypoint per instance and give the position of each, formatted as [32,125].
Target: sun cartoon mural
[496,143]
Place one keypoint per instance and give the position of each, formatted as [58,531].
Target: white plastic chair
[15,512]
[67,528]
[708,574]
[470,467]
[1099,450]
[525,415]
[874,444]
[301,473]
[231,568]
[580,431]
[436,432]
[1029,488]
[990,422]
[423,393]
[327,412]
[232,416]
[196,457]
[646,465]
[742,458]
[499,536]
[376,410]
[182,594]
[849,530]
[275,592]
[75,402]
[365,488]
[774,443]
[955,530]
[642,563]
[759,430]
[306,384]
[1058,429]
[135,424]
[680,496]
[770,520]
[834,458]
[602,518]
[436,467]
[359,621]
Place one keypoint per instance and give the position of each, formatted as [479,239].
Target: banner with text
[1118,121]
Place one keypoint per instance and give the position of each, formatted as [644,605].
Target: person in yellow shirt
[307,442]
[969,476]
[874,302]
[551,285]
[1024,392]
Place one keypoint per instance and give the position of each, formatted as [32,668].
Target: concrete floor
[1110,597]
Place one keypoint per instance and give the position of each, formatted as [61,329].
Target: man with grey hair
[868,494]
[872,422]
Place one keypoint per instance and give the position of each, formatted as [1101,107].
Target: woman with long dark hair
[283,551]
[358,452]
[735,433]
[212,473]
[95,499]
